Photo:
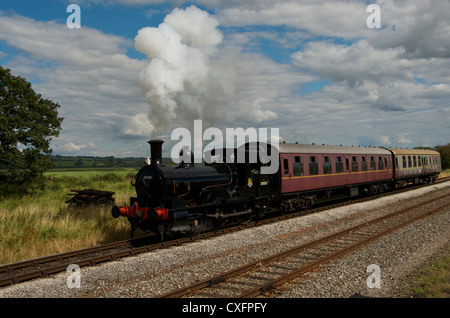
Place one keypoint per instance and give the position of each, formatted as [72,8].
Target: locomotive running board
[221,215]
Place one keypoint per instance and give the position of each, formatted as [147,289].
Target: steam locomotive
[236,187]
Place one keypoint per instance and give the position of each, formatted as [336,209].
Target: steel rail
[301,271]
[267,286]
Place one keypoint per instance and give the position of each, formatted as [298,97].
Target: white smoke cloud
[180,81]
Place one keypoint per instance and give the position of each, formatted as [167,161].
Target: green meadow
[38,222]
[58,173]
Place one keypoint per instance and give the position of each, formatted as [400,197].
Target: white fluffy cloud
[354,64]
[86,71]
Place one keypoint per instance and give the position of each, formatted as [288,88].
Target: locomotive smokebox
[156,152]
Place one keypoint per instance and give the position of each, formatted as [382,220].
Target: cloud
[354,63]
[84,70]
[420,28]
[72,148]
[345,19]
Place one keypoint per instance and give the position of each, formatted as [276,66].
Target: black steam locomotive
[189,198]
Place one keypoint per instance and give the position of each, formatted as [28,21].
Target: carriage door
[348,171]
[286,174]
[347,164]
[420,164]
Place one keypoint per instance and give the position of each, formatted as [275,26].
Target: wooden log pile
[90,197]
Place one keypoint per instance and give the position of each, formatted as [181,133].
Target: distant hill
[74,162]
[69,162]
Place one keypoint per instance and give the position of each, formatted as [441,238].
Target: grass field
[87,173]
[41,223]
[433,280]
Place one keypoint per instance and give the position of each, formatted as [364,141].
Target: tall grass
[433,280]
[38,222]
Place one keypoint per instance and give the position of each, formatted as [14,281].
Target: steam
[186,77]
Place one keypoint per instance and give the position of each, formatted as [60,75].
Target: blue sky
[313,69]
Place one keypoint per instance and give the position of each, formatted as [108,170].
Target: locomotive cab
[258,167]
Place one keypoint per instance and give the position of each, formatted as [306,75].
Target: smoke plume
[186,77]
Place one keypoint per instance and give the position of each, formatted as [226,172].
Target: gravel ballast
[397,255]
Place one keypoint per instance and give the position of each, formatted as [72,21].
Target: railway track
[45,266]
[264,275]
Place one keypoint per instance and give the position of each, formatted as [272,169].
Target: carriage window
[380,163]
[404,162]
[313,166]
[298,165]
[414,161]
[339,165]
[326,165]
[372,164]
[409,162]
[363,163]
[286,166]
[354,164]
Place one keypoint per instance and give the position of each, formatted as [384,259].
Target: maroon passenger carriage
[311,173]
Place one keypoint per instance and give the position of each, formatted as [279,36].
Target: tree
[27,123]
[78,163]
[445,156]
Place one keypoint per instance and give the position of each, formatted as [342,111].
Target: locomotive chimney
[156,152]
